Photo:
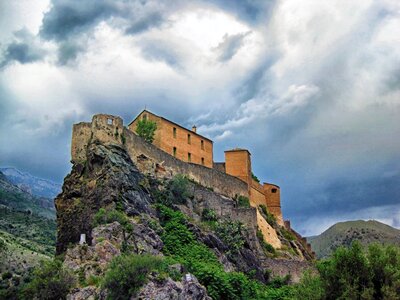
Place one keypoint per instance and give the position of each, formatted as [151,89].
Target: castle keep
[177,150]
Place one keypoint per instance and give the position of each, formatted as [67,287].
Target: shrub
[287,234]
[50,281]
[243,201]
[6,275]
[255,177]
[177,191]
[265,245]
[231,233]
[127,273]
[146,129]
[208,215]
[104,216]
[270,218]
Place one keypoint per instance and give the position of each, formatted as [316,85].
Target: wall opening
[144,117]
[109,121]
[174,132]
[189,157]
[202,161]
[202,145]
[188,138]
[274,190]
[174,152]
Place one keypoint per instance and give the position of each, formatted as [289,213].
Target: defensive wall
[109,129]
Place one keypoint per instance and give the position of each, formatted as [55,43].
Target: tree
[146,129]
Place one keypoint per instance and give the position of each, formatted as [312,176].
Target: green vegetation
[344,233]
[243,201]
[208,215]
[266,246]
[31,231]
[127,273]
[231,233]
[50,281]
[146,129]
[352,273]
[255,177]
[22,201]
[270,218]
[181,244]
[177,191]
[104,216]
[287,234]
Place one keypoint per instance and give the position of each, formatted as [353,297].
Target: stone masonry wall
[109,130]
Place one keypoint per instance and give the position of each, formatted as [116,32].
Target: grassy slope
[343,233]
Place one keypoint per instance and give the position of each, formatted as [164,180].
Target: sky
[311,88]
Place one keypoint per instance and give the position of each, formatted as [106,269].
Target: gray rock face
[187,289]
[106,179]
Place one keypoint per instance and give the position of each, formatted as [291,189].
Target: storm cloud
[312,89]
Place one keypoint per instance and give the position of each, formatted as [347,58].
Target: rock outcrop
[109,179]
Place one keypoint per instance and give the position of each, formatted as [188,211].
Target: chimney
[194,128]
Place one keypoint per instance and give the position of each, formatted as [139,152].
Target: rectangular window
[144,117]
[109,121]
[273,191]
[202,161]
[189,157]
[174,151]
[188,138]
[202,145]
[174,132]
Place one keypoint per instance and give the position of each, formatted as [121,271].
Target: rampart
[109,129]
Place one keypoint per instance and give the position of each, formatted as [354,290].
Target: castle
[189,146]
[177,150]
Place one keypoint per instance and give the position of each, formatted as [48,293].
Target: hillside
[15,197]
[31,184]
[27,232]
[344,233]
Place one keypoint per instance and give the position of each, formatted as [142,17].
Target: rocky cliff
[122,211]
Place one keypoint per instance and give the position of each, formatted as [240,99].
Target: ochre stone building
[189,146]
[186,145]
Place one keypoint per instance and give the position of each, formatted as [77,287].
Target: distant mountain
[344,233]
[17,198]
[31,184]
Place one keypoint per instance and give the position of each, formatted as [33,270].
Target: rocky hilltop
[124,207]
[345,233]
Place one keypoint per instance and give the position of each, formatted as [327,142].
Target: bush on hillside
[50,281]
[127,274]
[243,201]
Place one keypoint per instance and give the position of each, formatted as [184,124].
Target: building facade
[184,144]
[189,146]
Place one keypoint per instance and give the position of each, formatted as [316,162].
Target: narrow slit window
[144,117]
[202,145]
[174,151]
[174,132]
[188,138]
[189,157]
[202,161]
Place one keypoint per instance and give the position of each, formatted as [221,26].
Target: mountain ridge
[344,233]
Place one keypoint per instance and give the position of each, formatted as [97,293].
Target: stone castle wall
[109,129]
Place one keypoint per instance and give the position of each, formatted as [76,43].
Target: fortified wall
[232,178]
[109,129]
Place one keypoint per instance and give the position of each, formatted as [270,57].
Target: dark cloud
[68,51]
[145,23]
[68,17]
[251,11]
[24,49]
[160,50]
[230,45]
